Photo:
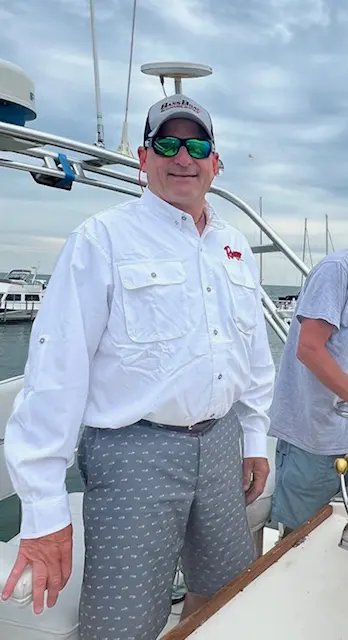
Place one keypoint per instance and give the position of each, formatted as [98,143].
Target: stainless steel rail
[95,162]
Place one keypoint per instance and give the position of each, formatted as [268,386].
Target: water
[14,340]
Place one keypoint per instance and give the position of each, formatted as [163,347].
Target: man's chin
[184,191]
[182,199]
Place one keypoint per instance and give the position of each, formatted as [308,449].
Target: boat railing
[10,307]
[8,391]
[61,169]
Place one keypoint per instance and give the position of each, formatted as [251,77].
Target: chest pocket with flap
[154,300]
[243,293]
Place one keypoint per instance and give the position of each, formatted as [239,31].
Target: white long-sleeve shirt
[142,318]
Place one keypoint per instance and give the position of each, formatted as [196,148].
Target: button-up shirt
[143,318]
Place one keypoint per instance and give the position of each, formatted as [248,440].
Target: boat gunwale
[184,629]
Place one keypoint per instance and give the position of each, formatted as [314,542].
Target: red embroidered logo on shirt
[232,254]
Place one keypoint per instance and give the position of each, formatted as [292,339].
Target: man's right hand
[51,561]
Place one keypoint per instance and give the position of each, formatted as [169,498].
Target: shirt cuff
[255,445]
[45,517]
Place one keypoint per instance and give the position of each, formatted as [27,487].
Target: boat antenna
[124,146]
[100,127]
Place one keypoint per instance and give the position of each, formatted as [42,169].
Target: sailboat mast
[100,128]
[261,261]
[304,246]
[326,234]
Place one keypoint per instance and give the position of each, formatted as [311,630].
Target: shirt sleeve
[324,294]
[252,408]
[43,429]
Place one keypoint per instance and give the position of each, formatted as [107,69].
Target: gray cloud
[278,97]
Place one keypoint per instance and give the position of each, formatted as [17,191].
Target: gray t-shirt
[302,409]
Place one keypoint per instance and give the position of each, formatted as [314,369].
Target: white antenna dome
[17,95]
[17,103]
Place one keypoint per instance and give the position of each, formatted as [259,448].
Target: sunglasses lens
[170,146]
[198,149]
[167,147]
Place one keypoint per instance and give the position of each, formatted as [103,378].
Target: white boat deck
[302,595]
[270,538]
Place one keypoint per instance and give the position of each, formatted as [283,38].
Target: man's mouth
[178,175]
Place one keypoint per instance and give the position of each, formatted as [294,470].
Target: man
[152,335]
[312,374]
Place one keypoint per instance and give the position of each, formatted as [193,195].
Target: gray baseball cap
[177,106]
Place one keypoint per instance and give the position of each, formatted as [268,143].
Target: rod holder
[341,465]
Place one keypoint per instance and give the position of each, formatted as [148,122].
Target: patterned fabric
[152,496]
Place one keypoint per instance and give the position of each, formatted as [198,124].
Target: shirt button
[209,289]
[183,218]
[219,376]
[215,332]
[42,340]
[212,415]
[154,275]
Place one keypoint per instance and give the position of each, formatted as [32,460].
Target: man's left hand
[255,474]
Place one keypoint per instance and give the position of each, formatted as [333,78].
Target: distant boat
[21,294]
[285,306]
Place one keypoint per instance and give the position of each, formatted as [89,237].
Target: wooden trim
[230,590]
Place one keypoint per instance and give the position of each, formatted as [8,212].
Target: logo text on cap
[183,104]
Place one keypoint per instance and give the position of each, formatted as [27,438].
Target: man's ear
[216,163]
[142,154]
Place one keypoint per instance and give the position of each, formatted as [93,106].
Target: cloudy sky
[278,97]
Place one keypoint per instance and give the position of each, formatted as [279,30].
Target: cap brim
[183,116]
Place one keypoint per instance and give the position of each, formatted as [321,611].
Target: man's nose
[182,157]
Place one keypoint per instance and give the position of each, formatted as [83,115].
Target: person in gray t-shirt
[312,376]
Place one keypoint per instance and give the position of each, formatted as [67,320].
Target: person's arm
[313,354]
[254,404]
[319,311]
[43,429]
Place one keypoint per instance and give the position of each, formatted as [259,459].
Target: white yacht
[297,588]
[286,306]
[21,294]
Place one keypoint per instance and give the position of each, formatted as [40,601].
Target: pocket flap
[239,273]
[146,274]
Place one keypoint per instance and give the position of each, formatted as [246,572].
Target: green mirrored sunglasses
[169,146]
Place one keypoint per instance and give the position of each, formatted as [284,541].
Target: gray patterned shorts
[153,496]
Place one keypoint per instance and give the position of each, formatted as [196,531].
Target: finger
[54,583]
[251,495]
[66,563]
[39,585]
[14,576]
[247,471]
[255,490]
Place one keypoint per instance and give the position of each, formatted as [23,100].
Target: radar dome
[17,95]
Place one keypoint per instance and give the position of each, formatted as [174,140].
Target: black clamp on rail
[65,183]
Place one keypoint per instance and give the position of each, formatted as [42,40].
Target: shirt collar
[156,204]
[213,219]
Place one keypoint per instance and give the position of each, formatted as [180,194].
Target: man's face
[182,181]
